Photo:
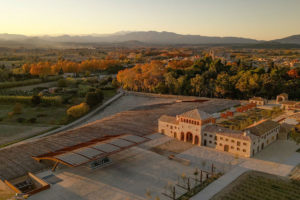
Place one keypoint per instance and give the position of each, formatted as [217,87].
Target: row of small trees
[35,100]
[47,68]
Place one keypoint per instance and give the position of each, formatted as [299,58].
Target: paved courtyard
[134,174]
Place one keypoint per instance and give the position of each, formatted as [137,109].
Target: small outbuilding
[259,101]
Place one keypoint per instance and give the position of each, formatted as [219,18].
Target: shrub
[18,108]
[78,110]
[62,83]
[21,119]
[32,120]
[93,98]
[36,100]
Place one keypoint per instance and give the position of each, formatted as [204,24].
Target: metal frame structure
[86,152]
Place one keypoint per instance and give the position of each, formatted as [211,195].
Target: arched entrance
[204,143]
[196,140]
[262,146]
[182,136]
[175,135]
[253,152]
[189,137]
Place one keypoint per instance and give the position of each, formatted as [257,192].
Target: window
[232,141]
[238,149]
[210,135]
[232,147]
[205,134]
[226,139]
[220,144]
[216,138]
[171,127]
[244,150]
[245,143]
[238,143]
[215,142]
[221,138]
[209,142]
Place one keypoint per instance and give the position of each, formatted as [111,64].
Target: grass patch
[258,185]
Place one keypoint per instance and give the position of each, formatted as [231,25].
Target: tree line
[64,66]
[211,78]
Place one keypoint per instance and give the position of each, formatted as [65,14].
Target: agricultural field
[242,120]
[31,87]
[24,114]
[257,185]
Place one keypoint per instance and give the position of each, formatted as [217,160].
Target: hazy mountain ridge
[294,39]
[147,37]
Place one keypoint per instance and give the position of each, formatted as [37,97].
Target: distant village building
[290,105]
[282,97]
[258,101]
[69,75]
[199,128]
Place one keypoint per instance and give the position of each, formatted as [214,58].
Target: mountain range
[133,38]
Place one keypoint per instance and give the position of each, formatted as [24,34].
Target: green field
[260,186]
[17,127]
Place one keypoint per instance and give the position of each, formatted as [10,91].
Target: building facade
[199,128]
[258,101]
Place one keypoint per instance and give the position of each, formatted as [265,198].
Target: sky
[257,19]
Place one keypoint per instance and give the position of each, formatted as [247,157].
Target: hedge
[56,100]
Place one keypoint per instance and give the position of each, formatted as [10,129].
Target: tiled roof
[226,132]
[168,119]
[262,127]
[196,114]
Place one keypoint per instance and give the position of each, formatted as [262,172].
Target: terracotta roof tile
[196,114]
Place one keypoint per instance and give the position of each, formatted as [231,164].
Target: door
[226,148]
[204,142]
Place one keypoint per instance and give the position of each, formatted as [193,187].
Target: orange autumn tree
[142,77]
[26,68]
[41,69]
[46,68]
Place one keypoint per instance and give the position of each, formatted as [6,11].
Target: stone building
[282,97]
[258,101]
[199,128]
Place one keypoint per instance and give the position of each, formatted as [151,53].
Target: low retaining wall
[163,95]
